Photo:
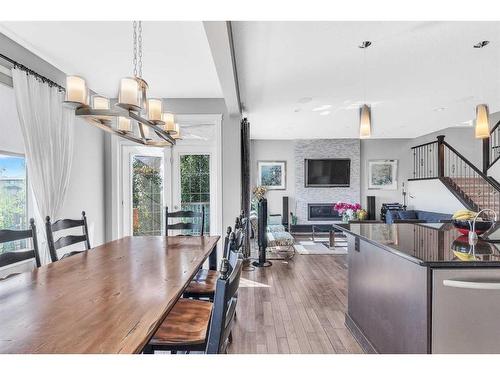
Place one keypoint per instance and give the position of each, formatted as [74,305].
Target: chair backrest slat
[11,257]
[180,226]
[64,241]
[8,235]
[185,225]
[225,300]
[66,224]
[180,214]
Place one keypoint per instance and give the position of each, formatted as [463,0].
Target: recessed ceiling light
[305,99]
[322,108]
[324,113]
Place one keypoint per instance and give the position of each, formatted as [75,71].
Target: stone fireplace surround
[323,149]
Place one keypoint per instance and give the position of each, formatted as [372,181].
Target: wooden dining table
[110,299]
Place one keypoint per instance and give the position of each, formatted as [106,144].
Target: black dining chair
[68,240]
[184,226]
[186,326]
[16,256]
[204,283]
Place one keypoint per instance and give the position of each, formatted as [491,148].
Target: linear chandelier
[153,126]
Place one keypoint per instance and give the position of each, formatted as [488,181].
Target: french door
[194,181]
[143,191]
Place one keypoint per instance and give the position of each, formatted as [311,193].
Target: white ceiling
[177,62]
[420,76]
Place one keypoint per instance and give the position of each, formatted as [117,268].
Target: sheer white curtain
[47,129]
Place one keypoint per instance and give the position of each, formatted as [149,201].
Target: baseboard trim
[359,336]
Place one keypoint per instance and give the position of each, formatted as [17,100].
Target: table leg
[332,238]
[212,260]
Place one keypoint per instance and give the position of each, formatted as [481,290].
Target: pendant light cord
[364,75]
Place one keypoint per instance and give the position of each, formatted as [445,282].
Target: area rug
[318,248]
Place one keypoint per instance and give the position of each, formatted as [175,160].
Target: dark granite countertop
[432,245]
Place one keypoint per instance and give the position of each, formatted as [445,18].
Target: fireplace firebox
[322,212]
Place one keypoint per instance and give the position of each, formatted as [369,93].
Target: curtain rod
[32,72]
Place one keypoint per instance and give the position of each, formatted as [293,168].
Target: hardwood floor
[294,307]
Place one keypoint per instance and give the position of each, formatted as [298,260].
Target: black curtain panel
[245,182]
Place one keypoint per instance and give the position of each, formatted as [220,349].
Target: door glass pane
[195,185]
[13,207]
[147,197]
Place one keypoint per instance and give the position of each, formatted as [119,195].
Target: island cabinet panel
[387,300]
[466,311]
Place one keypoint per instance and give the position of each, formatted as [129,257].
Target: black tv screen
[327,172]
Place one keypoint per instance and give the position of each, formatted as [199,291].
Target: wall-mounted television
[327,172]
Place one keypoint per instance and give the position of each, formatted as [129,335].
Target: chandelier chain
[134,25]
[140,48]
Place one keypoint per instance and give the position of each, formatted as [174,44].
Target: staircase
[472,187]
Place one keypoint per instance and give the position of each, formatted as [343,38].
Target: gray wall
[275,150]
[372,149]
[86,189]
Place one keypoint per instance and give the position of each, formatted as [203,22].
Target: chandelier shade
[365,126]
[100,102]
[154,110]
[169,120]
[176,134]
[124,124]
[482,129]
[76,90]
[129,95]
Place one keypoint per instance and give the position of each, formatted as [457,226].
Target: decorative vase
[348,215]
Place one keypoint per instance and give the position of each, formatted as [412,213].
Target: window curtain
[47,129]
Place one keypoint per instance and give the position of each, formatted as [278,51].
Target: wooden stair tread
[203,283]
[186,324]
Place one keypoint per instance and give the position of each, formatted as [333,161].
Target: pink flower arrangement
[342,207]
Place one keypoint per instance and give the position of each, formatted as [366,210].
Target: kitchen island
[422,288]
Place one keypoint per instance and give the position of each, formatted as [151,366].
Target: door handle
[473,284]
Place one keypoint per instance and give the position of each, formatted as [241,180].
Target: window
[147,188]
[13,202]
[195,185]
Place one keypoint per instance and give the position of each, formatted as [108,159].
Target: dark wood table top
[109,299]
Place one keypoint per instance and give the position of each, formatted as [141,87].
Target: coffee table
[327,228]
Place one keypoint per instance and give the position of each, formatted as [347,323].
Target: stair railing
[425,161]
[471,186]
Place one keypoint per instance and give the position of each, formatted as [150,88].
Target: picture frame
[272,174]
[383,174]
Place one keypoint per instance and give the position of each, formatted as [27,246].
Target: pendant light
[365,128]
[365,122]
[482,129]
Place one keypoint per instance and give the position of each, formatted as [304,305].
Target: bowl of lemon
[462,220]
